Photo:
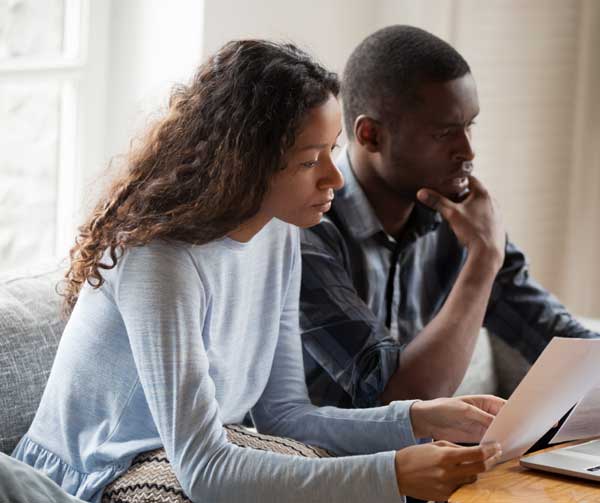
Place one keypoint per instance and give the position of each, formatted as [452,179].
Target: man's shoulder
[327,233]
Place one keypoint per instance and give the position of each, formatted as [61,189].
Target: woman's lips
[323,207]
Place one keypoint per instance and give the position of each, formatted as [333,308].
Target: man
[412,259]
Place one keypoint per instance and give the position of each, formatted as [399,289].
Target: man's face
[429,146]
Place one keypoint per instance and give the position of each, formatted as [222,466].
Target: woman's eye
[334,147]
[309,164]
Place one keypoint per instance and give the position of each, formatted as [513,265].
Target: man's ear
[367,132]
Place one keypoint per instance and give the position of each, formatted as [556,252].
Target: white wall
[153,45]
[329,30]
[526,57]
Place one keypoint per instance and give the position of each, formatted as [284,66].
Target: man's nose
[464,149]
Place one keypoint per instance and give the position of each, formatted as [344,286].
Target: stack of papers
[567,373]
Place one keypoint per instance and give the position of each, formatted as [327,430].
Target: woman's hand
[434,471]
[458,419]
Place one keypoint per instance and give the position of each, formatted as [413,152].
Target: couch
[30,329]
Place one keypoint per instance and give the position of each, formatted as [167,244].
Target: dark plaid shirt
[349,351]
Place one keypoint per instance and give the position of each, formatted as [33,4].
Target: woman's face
[303,191]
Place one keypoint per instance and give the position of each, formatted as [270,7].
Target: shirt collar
[354,210]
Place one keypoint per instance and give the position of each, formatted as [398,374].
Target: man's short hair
[389,66]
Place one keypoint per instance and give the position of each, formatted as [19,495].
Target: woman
[184,288]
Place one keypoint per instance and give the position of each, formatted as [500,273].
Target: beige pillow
[150,478]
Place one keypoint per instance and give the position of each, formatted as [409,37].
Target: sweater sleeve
[285,409]
[162,302]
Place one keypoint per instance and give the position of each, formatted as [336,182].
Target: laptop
[582,460]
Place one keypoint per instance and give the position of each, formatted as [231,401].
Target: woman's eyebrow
[314,147]
[319,146]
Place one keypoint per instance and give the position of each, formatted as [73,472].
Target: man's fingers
[476,186]
[435,201]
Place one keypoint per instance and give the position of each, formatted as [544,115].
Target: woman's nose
[333,178]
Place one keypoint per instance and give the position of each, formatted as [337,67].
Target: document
[562,375]
[583,421]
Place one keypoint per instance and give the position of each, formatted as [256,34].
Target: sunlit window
[41,60]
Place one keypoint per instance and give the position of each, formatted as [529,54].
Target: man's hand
[476,220]
[458,419]
[434,471]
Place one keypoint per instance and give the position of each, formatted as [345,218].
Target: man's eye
[334,147]
[440,135]
[309,164]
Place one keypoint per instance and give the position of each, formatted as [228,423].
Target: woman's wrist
[418,419]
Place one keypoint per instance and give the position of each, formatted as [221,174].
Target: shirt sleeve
[523,313]
[162,302]
[341,336]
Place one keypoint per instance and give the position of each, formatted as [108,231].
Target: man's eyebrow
[442,124]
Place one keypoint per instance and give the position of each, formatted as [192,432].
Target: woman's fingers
[473,461]
[489,403]
[475,454]
[480,416]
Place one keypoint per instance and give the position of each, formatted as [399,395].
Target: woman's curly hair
[204,168]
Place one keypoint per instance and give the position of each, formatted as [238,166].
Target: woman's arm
[161,299]
[285,409]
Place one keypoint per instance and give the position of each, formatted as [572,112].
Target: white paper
[583,421]
[561,376]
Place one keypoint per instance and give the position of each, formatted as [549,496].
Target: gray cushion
[30,328]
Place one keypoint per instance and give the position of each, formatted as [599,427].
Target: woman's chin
[305,221]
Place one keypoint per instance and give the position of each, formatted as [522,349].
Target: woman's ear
[367,132]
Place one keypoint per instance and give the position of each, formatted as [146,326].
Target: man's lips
[459,180]
[458,183]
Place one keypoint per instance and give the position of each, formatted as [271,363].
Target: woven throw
[150,478]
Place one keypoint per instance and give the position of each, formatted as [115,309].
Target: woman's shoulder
[283,232]
[159,251]
[159,258]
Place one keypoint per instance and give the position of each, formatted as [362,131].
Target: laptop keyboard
[587,448]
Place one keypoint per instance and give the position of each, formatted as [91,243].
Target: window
[43,111]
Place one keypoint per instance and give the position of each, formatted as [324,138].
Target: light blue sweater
[182,339]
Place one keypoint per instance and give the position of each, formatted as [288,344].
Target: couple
[184,291]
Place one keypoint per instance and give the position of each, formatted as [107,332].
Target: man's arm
[523,313]
[343,336]
[434,363]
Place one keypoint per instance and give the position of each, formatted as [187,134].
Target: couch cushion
[480,376]
[30,328]
[150,479]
